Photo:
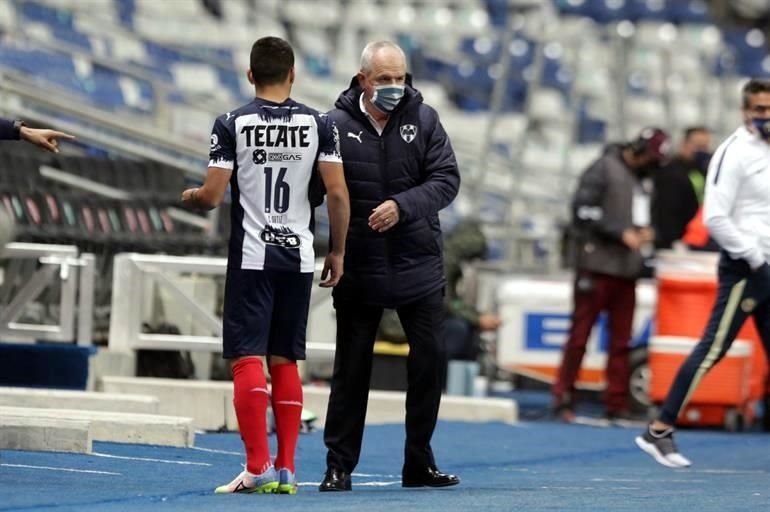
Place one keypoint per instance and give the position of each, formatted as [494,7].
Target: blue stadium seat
[37,62]
[498,12]
[522,54]
[429,68]
[318,65]
[602,11]
[556,76]
[480,49]
[73,37]
[231,81]
[652,10]
[516,96]
[126,10]
[690,11]
[32,11]
[590,130]
[496,249]
[163,55]
[749,49]
[574,7]
[494,207]
[106,90]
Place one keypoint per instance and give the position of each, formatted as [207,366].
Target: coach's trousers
[741,293]
[356,331]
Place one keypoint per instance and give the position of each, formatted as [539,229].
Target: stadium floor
[530,466]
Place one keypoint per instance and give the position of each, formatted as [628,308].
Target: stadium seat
[653,10]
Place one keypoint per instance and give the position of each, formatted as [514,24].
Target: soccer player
[267,151]
[737,214]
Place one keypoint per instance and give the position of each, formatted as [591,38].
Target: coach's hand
[44,138]
[384,216]
[332,270]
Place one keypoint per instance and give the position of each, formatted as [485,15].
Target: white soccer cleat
[247,482]
[287,482]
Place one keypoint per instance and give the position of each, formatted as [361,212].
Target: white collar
[371,119]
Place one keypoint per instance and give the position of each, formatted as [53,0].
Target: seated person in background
[463,322]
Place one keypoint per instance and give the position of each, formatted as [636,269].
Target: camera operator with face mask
[678,192]
[612,238]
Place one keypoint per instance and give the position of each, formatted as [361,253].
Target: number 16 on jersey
[276,194]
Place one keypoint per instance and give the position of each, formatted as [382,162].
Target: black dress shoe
[428,476]
[335,480]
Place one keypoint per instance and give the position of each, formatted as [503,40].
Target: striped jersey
[272,150]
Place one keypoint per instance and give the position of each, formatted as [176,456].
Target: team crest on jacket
[408,132]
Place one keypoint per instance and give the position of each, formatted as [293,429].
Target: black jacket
[601,212]
[675,202]
[412,163]
[7,130]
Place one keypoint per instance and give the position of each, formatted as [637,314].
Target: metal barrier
[133,277]
[57,263]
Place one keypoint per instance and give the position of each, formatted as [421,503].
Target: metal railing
[58,264]
[134,276]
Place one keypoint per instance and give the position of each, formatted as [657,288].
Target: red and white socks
[250,400]
[287,409]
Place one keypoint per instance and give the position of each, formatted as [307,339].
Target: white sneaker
[247,482]
[661,447]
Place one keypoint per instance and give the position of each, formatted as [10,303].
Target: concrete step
[390,407]
[119,427]
[89,400]
[44,434]
[210,403]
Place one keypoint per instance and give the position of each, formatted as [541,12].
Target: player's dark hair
[271,60]
[692,130]
[752,87]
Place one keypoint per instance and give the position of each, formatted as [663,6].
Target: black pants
[461,339]
[741,293]
[356,331]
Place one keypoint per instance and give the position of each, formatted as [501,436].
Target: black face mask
[645,171]
[701,160]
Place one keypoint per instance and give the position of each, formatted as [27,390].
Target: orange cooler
[723,396]
[683,309]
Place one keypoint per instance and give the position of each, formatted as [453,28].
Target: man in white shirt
[737,213]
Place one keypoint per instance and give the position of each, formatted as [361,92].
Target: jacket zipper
[383,179]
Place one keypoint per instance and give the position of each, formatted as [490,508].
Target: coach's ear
[250,76]
[292,75]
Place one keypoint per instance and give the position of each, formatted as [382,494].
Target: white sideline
[65,470]
[148,459]
[212,450]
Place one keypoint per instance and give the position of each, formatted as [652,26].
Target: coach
[401,170]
